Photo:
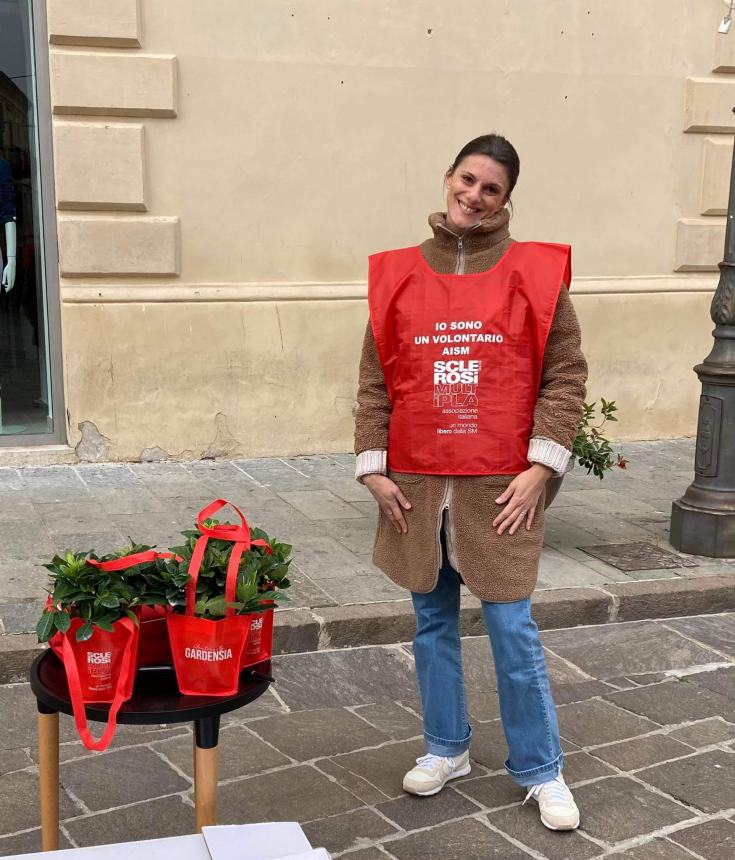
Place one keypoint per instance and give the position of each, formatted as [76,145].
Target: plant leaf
[45,627]
[216,605]
[62,620]
[85,632]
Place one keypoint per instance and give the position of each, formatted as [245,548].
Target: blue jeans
[526,705]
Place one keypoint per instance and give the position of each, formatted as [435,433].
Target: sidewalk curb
[305,630]
[300,630]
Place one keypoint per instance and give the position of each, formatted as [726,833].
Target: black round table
[156,699]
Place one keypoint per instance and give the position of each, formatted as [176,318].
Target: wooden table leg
[48,769]
[206,768]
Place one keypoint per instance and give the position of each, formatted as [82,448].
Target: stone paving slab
[360,676]
[675,701]
[349,830]
[368,854]
[717,633]
[164,816]
[714,730]
[713,839]
[704,781]
[656,849]
[248,754]
[580,766]
[305,735]
[645,646]
[640,752]
[470,839]
[29,841]
[301,794]
[328,746]
[720,680]
[524,826]
[595,721]
[411,813]
[100,782]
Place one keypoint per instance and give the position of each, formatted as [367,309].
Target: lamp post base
[702,532]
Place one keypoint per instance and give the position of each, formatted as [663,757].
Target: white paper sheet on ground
[180,847]
[257,841]
[280,841]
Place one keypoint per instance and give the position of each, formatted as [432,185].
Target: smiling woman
[457,454]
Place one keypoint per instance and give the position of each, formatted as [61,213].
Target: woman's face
[476,189]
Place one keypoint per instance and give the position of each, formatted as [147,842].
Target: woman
[471,390]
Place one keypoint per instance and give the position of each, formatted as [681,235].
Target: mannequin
[8,279]
[7,216]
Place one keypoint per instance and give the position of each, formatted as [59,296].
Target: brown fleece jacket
[495,567]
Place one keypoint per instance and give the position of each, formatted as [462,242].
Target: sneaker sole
[463,772]
[551,826]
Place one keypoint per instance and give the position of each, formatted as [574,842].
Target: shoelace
[431,761]
[556,789]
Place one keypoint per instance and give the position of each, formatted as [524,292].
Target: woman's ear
[448,175]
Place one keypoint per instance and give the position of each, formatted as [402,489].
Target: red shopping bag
[99,669]
[154,649]
[259,646]
[153,645]
[208,654]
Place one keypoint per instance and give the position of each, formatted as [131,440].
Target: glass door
[29,399]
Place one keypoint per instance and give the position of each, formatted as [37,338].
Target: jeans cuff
[537,775]
[443,747]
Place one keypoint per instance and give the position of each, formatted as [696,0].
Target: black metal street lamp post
[703,519]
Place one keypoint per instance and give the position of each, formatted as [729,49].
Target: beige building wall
[223,172]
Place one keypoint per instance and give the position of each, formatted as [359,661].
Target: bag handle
[77,698]
[233,567]
[131,560]
[239,534]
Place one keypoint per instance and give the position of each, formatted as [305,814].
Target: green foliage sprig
[261,577]
[99,598]
[591,449]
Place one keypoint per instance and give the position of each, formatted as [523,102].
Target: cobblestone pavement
[315,504]
[646,709]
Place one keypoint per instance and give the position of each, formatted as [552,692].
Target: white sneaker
[556,804]
[433,771]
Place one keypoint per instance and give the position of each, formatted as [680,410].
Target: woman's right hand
[390,498]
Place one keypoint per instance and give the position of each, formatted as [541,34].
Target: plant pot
[553,485]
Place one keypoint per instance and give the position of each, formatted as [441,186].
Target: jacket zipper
[446,505]
[459,268]
[460,264]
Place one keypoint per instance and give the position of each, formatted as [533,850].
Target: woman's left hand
[521,498]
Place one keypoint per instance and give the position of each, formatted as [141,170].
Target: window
[26,401]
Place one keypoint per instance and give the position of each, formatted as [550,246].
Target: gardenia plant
[99,598]
[261,578]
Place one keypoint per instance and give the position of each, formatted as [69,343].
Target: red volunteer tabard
[462,356]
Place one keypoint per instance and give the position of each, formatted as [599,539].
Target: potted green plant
[591,449]
[223,621]
[81,589]
[92,622]
[262,576]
